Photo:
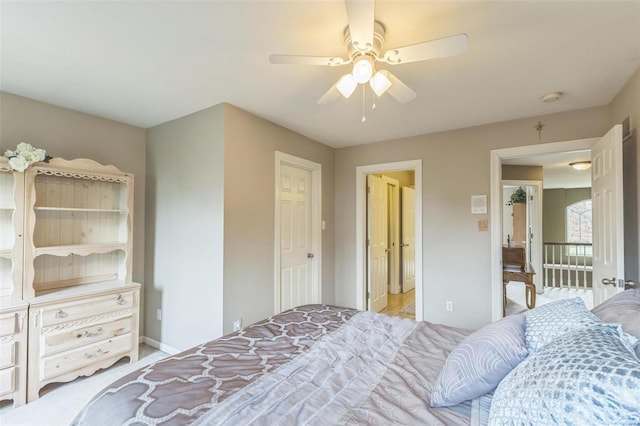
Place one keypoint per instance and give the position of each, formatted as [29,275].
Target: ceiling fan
[364,38]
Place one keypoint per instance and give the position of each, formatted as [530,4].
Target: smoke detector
[551,97]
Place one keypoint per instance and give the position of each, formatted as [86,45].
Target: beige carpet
[59,403]
[517,304]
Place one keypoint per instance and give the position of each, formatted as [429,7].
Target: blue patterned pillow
[552,320]
[589,376]
[479,362]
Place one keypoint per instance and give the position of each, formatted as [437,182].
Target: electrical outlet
[159,314]
[237,324]
[449,306]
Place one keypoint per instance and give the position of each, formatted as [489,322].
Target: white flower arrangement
[24,156]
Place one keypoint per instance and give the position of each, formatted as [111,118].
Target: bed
[325,365]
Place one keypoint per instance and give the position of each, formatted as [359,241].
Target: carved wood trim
[86,321]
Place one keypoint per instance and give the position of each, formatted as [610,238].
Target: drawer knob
[120,300]
[87,333]
[97,354]
[60,314]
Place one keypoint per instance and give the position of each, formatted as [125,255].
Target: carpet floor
[59,403]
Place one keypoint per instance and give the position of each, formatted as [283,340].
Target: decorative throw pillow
[554,319]
[588,376]
[479,362]
[623,309]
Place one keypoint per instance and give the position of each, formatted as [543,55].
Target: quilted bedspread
[315,364]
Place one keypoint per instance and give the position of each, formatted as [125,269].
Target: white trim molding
[361,232]
[159,345]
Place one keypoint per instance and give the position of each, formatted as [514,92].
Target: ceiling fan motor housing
[378,41]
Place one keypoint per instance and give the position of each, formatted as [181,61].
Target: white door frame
[361,231]
[496,157]
[536,230]
[316,215]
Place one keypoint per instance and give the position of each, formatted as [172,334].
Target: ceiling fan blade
[439,48]
[361,16]
[330,95]
[400,91]
[308,60]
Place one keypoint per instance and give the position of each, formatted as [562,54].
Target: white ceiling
[147,62]
[555,169]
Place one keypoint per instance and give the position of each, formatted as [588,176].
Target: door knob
[629,284]
[310,255]
[611,281]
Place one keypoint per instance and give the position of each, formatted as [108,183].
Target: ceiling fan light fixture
[346,85]
[379,83]
[363,69]
[581,165]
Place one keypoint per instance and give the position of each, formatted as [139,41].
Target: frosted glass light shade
[379,83]
[363,69]
[581,165]
[346,85]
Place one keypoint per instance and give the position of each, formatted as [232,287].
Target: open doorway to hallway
[607,183]
[390,263]
[372,254]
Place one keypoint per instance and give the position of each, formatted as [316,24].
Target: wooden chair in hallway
[516,268]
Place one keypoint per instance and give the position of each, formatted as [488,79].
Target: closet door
[408,239]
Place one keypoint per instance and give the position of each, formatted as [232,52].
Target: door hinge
[368,295]
[368,189]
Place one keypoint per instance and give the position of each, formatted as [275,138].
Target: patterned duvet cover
[314,364]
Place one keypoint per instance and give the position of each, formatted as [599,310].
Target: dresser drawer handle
[60,314]
[97,354]
[89,334]
[120,300]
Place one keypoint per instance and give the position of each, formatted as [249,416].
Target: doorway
[391,242]
[608,252]
[522,229]
[298,257]
[363,289]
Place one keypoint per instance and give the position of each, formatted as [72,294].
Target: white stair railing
[568,265]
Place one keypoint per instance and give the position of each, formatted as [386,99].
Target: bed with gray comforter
[314,364]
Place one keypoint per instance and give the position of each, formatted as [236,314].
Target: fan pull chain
[363,101]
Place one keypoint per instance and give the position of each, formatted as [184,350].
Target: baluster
[553,256]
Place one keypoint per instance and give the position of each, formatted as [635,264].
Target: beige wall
[185,223]
[70,134]
[627,104]
[554,207]
[249,207]
[457,263]
[522,173]
[404,178]
[449,231]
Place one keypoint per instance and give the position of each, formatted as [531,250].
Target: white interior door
[378,250]
[297,286]
[393,240]
[408,239]
[608,231]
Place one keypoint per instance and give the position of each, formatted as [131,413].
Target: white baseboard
[159,345]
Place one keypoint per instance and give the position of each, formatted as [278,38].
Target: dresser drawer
[8,324]
[7,381]
[89,307]
[76,359]
[70,339]
[7,354]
